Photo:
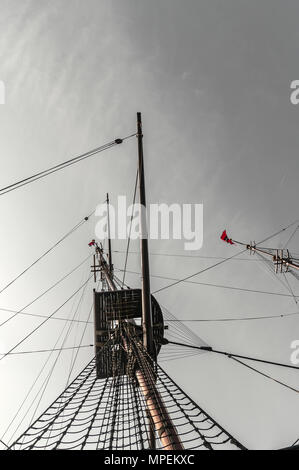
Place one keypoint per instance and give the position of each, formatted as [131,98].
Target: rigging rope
[213,285]
[47,350]
[233,357]
[238,356]
[45,321]
[278,233]
[222,262]
[3,443]
[265,375]
[79,224]
[213,320]
[42,316]
[196,274]
[54,169]
[290,289]
[111,413]
[291,237]
[21,311]
[177,255]
[131,221]
[44,386]
[74,359]
[69,327]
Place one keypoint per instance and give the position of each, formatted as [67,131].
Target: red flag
[225,238]
[92,243]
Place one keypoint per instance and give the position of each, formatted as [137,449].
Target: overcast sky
[212,79]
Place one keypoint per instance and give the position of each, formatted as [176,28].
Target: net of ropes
[113,413]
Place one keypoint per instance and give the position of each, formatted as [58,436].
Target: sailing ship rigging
[123,399]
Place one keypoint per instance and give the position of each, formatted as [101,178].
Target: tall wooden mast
[159,418]
[147,323]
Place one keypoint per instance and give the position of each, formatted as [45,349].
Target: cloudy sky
[212,79]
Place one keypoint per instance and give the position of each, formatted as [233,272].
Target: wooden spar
[287,262]
[158,414]
[152,431]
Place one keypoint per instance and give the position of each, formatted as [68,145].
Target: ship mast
[147,323]
[159,421]
[158,415]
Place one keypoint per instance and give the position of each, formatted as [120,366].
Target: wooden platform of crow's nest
[111,310]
